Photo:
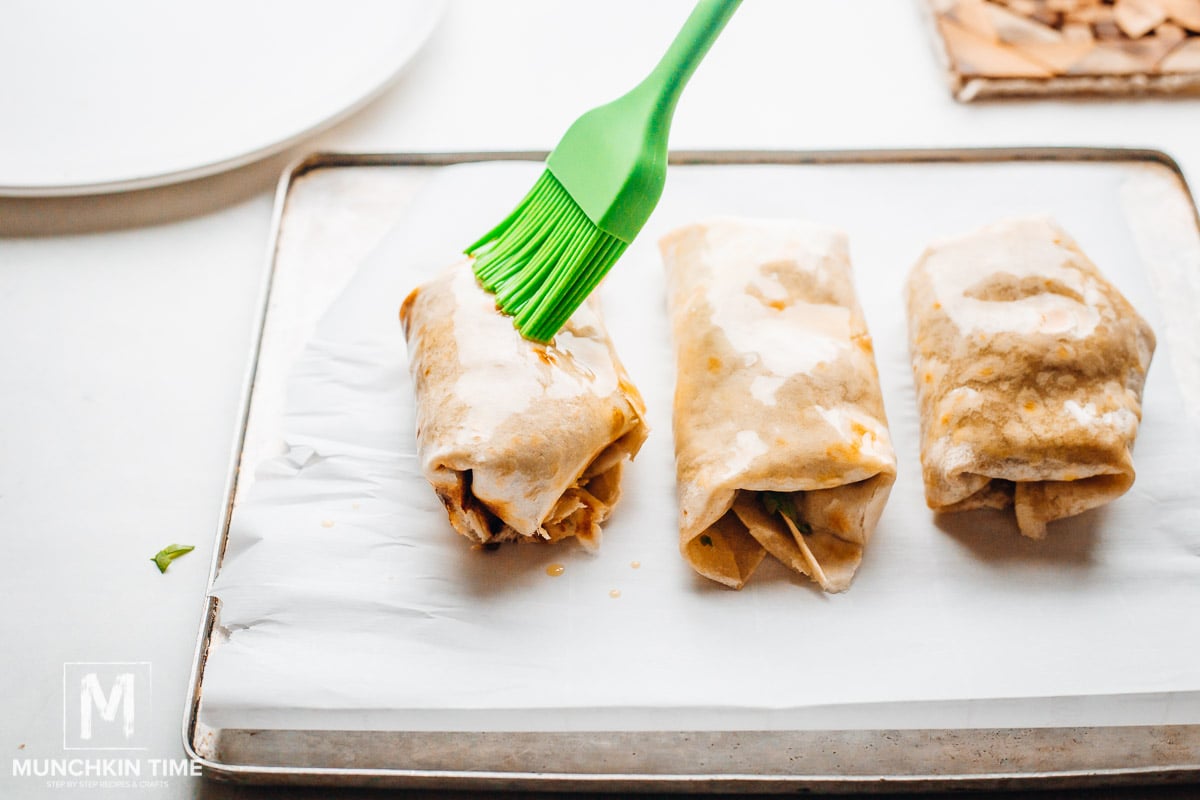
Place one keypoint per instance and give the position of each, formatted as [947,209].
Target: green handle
[666,82]
[613,159]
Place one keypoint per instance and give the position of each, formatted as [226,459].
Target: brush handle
[691,44]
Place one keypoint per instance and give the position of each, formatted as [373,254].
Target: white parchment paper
[347,602]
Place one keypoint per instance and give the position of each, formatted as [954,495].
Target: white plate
[102,97]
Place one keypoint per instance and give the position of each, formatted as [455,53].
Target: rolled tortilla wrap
[521,441]
[776,391]
[1029,367]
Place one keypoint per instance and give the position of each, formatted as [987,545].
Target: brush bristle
[544,259]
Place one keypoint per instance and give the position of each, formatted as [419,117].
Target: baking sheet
[386,620]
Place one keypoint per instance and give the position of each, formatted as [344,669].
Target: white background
[126,320]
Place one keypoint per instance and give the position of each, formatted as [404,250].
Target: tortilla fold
[1029,366]
[776,391]
[521,441]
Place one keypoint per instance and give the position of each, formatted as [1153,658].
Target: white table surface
[126,320]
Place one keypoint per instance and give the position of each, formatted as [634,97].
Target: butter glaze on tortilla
[776,390]
[521,441]
[1029,367]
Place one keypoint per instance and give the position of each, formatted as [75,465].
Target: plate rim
[432,13]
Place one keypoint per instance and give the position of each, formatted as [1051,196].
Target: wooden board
[996,48]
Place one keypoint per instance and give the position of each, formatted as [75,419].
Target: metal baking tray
[677,761]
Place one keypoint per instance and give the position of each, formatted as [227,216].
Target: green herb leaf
[783,504]
[163,558]
[780,503]
[706,540]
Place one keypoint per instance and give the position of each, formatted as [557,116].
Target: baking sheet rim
[264,773]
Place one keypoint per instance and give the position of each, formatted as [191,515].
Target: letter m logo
[92,696]
[103,703]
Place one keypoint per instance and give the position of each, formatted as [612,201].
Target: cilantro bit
[782,503]
[706,540]
[163,558]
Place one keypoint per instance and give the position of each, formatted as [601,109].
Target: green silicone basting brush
[600,186]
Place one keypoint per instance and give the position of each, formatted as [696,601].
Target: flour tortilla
[521,441]
[1029,367]
[776,390]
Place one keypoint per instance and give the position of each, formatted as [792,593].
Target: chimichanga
[1029,368]
[521,441]
[781,442]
